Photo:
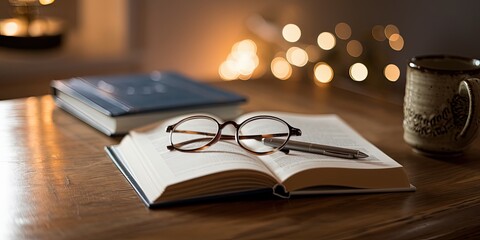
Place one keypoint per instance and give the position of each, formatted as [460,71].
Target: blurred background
[362,46]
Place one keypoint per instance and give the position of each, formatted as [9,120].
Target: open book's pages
[160,175]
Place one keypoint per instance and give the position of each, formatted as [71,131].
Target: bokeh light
[227,71]
[396,42]
[326,40]
[358,72]
[378,33]
[343,31]
[46,2]
[291,32]
[245,46]
[241,62]
[297,56]
[10,28]
[323,72]
[354,48]
[391,29]
[281,69]
[392,72]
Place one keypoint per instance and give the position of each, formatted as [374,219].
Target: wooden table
[56,181]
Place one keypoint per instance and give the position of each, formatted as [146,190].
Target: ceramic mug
[441,104]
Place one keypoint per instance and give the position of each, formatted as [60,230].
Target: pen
[315,148]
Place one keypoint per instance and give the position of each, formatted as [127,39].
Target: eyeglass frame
[292,131]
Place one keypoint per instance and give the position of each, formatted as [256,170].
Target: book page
[137,169]
[170,167]
[326,130]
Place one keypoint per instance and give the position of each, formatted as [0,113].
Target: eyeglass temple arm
[188,142]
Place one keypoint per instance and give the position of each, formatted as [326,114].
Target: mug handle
[470,88]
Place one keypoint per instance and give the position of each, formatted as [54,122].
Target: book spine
[86,97]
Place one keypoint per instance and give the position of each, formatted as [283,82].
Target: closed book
[118,103]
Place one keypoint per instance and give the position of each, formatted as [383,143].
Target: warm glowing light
[378,33]
[241,62]
[297,56]
[354,48]
[343,31]
[10,28]
[396,42]
[37,28]
[392,72]
[227,71]
[245,77]
[358,72]
[291,32]
[281,69]
[391,29]
[246,63]
[323,72]
[246,45]
[46,2]
[326,41]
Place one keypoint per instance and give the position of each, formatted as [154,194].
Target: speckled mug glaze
[441,104]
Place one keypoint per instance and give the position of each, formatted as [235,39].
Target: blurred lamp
[27,29]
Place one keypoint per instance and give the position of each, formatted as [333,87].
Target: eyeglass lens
[251,133]
[194,133]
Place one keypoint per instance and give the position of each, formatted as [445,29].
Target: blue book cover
[142,93]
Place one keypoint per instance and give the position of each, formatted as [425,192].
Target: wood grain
[57,181]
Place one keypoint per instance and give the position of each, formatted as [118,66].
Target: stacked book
[116,104]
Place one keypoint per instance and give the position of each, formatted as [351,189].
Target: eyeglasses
[199,132]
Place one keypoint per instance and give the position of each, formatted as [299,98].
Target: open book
[160,175]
